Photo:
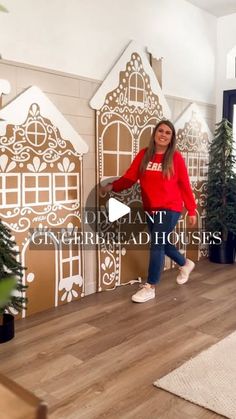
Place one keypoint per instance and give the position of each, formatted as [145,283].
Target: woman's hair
[167,163]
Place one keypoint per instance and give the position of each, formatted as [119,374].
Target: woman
[165,186]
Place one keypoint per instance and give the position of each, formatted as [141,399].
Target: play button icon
[116,209]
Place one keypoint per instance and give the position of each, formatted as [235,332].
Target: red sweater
[157,191]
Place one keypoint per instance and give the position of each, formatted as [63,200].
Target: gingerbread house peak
[192,112]
[112,79]
[16,112]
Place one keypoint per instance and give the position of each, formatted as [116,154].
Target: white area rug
[209,379]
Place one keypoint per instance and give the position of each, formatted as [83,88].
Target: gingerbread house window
[36,133]
[203,166]
[117,149]
[36,189]
[136,89]
[66,187]
[70,262]
[192,165]
[9,190]
[192,136]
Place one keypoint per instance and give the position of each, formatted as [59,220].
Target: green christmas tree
[221,187]
[11,269]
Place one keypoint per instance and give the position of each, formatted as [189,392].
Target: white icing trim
[186,116]
[17,110]
[112,80]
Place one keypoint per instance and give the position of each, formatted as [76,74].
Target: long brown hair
[167,163]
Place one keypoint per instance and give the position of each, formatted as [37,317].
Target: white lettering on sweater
[156,167]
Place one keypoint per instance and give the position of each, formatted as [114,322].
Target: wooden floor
[98,357]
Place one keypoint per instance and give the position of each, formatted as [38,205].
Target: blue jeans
[160,246]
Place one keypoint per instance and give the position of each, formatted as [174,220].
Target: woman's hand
[105,189]
[192,220]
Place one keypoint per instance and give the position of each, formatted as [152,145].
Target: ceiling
[216,7]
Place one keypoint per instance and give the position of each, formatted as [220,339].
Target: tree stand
[7,328]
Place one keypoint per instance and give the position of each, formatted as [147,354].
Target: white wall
[226,40]
[85,37]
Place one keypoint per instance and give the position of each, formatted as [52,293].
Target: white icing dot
[30,277]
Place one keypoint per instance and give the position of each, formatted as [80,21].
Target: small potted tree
[221,194]
[11,286]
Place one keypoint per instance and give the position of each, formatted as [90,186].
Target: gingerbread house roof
[112,79]
[191,122]
[17,110]
[192,111]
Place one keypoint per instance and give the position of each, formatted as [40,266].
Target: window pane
[11,182]
[125,139]
[65,250]
[30,197]
[30,181]
[75,267]
[72,180]
[133,80]
[72,195]
[140,83]
[60,195]
[124,163]
[145,137]
[11,198]
[132,94]
[110,165]
[110,138]
[43,196]
[66,269]
[60,180]
[43,181]
[140,96]
[75,251]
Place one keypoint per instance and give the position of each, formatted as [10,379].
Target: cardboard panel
[128,105]
[41,191]
[194,137]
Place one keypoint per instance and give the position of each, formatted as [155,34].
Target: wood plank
[98,357]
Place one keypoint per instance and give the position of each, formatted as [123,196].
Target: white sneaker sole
[137,300]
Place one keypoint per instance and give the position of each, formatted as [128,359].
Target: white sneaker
[146,293]
[185,272]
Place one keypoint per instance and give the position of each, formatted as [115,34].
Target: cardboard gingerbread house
[41,196]
[193,141]
[128,105]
